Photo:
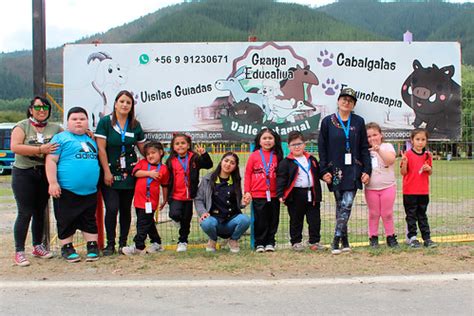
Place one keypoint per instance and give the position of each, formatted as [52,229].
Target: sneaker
[211,246]
[260,249]
[414,243]
[345,244]
[132,250]
[317,246]
[154,248]
[335,246]
[182,247]
[92,251]
[269,248]
[20,259]
[69,253]
[109,250]
[297,246]
[374,241]
[430,244]
[234,246]
[392,241]
[41,252]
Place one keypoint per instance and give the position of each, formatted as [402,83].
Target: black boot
[374,241]
[109,249]
[345,244]
[335,246]
[392,241]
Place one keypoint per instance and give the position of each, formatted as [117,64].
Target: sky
[70,20]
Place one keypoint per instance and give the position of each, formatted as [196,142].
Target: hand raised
[200,149]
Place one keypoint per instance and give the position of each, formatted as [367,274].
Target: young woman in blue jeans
[344,161]
[218,203]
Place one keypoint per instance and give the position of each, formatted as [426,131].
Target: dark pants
[30,188]
[266,220]
[182,212]
[145,226]
[344,200]
[298,207]
[117,201]
[415,210]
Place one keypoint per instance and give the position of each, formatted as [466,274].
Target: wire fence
[450,212]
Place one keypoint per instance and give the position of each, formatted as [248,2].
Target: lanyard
[149,180]
[122,134]
[346,129]
[267,167]
[185,168]
[305,171]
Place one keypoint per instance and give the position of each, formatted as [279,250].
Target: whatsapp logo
[144,59]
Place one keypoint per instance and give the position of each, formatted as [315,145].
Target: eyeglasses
[41,107]
[297,145]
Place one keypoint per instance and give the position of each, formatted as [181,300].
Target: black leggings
[30,188]
[117,201]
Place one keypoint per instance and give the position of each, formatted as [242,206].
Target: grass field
[451,210]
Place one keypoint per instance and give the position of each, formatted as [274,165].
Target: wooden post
[39,80]
[39,48]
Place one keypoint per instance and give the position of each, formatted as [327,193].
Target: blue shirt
[78,164]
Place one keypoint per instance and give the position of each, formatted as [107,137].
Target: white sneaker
[154,248]
[182,247]
[260,249]
[298,246]
[269,248]
[211,246]
[132,250]
[234,246]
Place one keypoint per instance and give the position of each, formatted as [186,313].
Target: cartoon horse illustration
[295,89]
[108,79]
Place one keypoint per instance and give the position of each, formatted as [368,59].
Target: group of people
[72,165]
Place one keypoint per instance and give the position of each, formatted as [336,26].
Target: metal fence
[450,212]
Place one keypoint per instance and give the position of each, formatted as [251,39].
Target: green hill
[235,20]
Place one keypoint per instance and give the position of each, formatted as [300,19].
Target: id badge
[309,195]
[269,197]
[123,163]
[148,209]
[40,138]
[375,162]
[348,159]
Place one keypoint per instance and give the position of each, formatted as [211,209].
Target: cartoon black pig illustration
[435,98]
[247,112]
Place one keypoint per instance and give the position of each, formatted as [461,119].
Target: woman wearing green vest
[117,135]
[30,143]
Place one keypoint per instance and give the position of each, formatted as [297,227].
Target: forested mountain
[434,21]
[235,20]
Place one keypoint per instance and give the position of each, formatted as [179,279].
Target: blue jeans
[234,228]
[344,200]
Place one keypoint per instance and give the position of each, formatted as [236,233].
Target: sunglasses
[41,107]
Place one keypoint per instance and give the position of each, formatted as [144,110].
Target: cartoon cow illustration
[108,79]
[435,98]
